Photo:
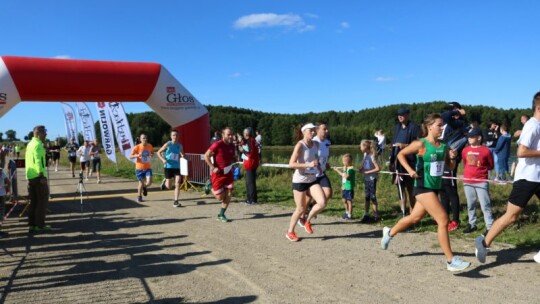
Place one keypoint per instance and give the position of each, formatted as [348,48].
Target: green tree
[11,135]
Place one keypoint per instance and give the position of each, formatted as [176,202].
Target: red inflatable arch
[45,79]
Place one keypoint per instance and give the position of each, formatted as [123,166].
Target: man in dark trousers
[405,132]
[36,174]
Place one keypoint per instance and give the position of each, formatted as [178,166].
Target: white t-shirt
[528,168]
[324,153]
[3,177]
[381,140]
[84,153]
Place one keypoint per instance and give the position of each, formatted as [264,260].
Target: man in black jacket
[405,132]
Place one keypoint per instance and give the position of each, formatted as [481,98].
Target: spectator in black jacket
[405,132]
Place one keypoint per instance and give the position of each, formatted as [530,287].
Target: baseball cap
[403,111]
[474,132]
[454,104]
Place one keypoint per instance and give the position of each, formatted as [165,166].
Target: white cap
[308,126]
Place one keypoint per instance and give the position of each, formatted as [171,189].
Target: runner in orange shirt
[143,153]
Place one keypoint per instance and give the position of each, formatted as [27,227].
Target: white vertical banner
[70,122]
[107,136]
[87,122]
[121,128]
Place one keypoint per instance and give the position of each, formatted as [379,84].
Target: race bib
[173,157]
[72,154]
[145,157]
[312,170]
[436,168]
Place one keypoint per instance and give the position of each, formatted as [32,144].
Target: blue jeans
[480,192]
[502,165]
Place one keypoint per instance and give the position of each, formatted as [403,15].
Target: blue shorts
[142,174]
[347,195]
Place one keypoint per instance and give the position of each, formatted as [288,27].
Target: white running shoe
[481,251]
[457,264]
[386,238]
[537,257]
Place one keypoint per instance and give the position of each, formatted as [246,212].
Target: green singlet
[430,166]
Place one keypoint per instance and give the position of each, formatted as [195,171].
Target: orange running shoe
[292,236]
[307,226]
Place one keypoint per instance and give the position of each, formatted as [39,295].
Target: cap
[474,132]
[403,111]
[308,126]
[453,105]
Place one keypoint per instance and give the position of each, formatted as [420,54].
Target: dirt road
[119,251]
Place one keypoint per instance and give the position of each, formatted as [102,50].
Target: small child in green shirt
[348,179]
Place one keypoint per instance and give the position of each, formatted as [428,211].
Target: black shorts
[407,181]
[324,181]
[303,187]
[171,172]
[421,190]
[522,191]
[55,156]
[96,164]
[72,159]
[84,164]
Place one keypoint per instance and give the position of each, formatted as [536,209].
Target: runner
[431,154]
[143,153]
[84,158]
[222,152]
[96,160]
[304,181]
[55,150]
[171,160]
[71,149]
[526,182]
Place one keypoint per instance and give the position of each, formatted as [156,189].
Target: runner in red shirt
[223,154]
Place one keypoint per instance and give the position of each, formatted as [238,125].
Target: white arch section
[46,79]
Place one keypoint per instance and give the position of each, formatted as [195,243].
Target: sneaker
[32,229]
[537,257]
[222,218]
[485,233]
[457,264]
[453,226]
[163,187]
[301,222]
[144,191]
[176,204]
[481,251]
[292,236]
[98,181]
[365,219]
[345,216]
[139,199]
[386,238]
[207,187]
[45,228]
[307,227]
[470,228]
[73,175]
[376,218]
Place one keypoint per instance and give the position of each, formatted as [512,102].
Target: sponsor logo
[171,90]
[3,98]
[121,126]
[174,99]
[101,104]
[86,120]
[107,132]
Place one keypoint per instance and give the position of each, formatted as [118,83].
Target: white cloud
[235,75]
[345,25]
[273,20]
[62,57]
[385,79]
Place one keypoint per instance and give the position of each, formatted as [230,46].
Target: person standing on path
[55,150]
[250,156]
[71,149]
[170,154]
[431,156]
[304,160]
[526,182]
[220,158]
[95,156]
[143,153]
[36,174]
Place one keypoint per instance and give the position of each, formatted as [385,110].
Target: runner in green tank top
[431,155]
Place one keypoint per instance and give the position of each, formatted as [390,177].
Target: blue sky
[291,56]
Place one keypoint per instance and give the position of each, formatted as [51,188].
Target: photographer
[455,135]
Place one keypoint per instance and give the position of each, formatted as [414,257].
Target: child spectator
[5,186]
[477,161]
[369,167]
[348,181]
[502,150]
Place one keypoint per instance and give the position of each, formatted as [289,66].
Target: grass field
[274,186]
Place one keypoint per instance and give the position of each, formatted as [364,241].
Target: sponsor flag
[107,136]
[87,122]
[121,128]
[71,123]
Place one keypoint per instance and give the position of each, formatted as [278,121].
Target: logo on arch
[178,99]
[3,98]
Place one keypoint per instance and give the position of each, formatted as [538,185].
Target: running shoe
[163,184]
[470,228]
[345,216]
[307,227]
[537,257]
[481,251]
[457,264]
[99,181]
[292,236]
[144,191]
[222,218]
[301,222]
[453,226]
[386,238]
[139,199]
[32,229]
[365,219]
[207,187]
[177,204]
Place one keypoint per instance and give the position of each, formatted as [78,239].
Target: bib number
[436,168]
[173,157]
